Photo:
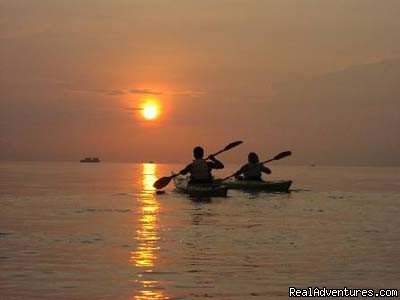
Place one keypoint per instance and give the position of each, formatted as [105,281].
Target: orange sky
[73,74]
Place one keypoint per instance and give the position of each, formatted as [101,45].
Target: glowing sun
[150,111]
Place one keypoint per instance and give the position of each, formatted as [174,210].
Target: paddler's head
[198,152]
[253,158]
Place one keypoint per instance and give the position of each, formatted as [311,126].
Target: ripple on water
[5,234]
[94,210]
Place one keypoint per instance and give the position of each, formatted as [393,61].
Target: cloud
[116,92]
[139,91]
[132,109]
[76,87]
[144,91]
[188,93]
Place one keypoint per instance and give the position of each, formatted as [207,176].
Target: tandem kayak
[199,190]
[266,186]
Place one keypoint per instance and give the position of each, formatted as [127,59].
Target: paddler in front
[252,171]
[200,169]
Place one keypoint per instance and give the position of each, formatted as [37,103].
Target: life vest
[252,171]
[200,171]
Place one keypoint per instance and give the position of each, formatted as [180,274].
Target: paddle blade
[232,145]
[282,155]
[162,182]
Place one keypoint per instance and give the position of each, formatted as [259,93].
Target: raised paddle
[164,181]
[276,157]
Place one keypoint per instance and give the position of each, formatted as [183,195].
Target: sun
[150,111]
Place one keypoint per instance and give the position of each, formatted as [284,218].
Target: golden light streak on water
[147,235]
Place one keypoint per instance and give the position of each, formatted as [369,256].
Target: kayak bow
[199,190]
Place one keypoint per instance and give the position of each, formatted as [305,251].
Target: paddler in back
[252,171]
[200,169]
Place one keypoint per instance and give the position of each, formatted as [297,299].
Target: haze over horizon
[320,78]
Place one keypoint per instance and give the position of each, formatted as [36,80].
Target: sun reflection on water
[147,236]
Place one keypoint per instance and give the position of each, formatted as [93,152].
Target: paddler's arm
[215,163]
[266,170]
[186,170]
[242,169]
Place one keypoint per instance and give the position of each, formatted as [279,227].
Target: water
[98,231]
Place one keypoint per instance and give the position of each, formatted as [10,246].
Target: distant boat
[150,162]
[90,160]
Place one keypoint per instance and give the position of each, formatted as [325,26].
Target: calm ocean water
[98,231]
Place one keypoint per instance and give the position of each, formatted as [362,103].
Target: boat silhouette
[90,160]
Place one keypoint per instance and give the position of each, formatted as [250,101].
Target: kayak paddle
[276,157]
[164,181]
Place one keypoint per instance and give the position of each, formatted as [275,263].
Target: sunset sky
[318,77]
